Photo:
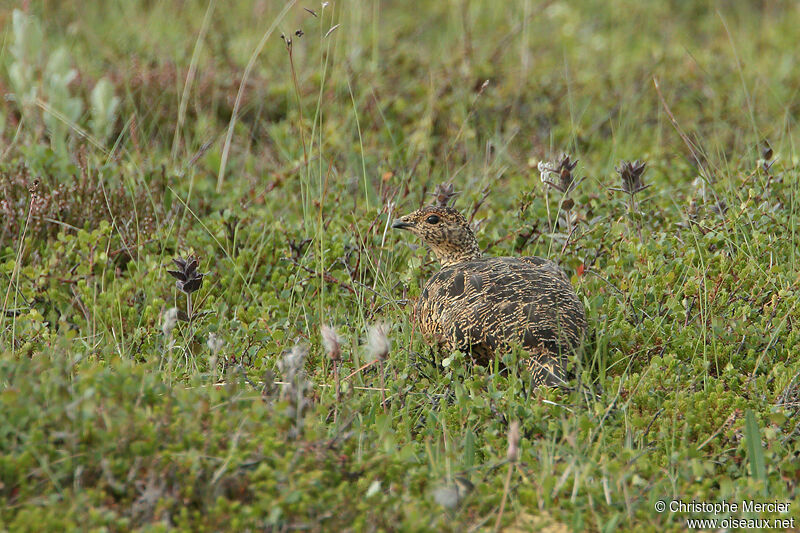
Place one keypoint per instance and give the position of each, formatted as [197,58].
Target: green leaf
[104,109]
[469,449]
[755,452]
[27,44]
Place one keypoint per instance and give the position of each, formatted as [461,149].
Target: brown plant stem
[383,387]
[505,497]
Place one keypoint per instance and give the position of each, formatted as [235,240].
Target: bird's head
[445,231]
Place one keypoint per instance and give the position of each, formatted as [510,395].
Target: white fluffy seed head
[378,343]
[170,321]
[215,343]
[331,342]
[292,362]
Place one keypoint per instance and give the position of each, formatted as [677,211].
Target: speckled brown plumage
[485,305]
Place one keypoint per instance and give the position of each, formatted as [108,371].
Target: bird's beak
[401,224]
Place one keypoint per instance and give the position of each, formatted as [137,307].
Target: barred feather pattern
[484,306]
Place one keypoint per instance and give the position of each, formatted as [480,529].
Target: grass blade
[755,452]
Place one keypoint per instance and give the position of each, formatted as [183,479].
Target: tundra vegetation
[204,313]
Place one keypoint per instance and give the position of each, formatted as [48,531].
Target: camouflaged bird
[485,305]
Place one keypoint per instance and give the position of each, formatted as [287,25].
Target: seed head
[378,343]
[513,442]
[331,341]
[291,365]
[170,321]
[215,343]
[296,386]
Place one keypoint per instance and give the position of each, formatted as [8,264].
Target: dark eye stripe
[433,219]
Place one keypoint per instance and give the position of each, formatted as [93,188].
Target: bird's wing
[497,303]
[546,264]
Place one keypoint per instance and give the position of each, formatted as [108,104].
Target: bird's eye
[433,219]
